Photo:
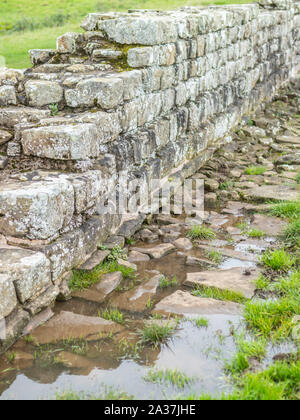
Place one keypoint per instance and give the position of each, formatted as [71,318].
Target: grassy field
[29,24]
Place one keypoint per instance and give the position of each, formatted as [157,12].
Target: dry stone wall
[154,93]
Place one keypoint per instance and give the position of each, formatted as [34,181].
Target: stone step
[40,205]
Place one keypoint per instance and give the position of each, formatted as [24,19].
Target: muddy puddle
[110,355]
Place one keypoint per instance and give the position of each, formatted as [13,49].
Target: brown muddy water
[117,359]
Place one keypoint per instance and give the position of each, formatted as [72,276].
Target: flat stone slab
[183,243]
[158,251]
[97,258]
[183,303]
[99,292]
[289,140]
[236,280]
[70,325]
[230,253]
[136,300]
[194,261]
[272,226]
[273,192]
[135,256]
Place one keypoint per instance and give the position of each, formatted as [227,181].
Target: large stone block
[7,96]
[106,93]
[64,142]
[8,300]
[29,271]
[36,210]
[42,92]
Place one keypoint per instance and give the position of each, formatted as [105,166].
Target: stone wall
[154,93]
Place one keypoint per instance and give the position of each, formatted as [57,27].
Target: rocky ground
[188,306]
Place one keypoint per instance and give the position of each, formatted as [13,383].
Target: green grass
[287,210]
[38,14]
[278,260]
[262,283]
[156,333]
[171,376]
[213,293]
[214,256]
[201,322]
[225,185]
[112,315]
[272,319]
[82,280]
[107,394]
[256,170]
[298,178]
[165,283]
[292,233]
[256,233]
[201,232]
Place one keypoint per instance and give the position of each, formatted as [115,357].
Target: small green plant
[112,315]
[256,170]
[156,333]
[214,256]
[218,294]
[164,282]
[29,339]
[224,186]
[200,322]
[256,233]
[11,357]
[243,226]
[53,109]
[262,283]
[149,304]
[172,376]
[278,260]
[201,232]
[298,178]
[117,253]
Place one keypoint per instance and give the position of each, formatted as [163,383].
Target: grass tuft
[278,260]
[164,282]
[213,293]
[156,333]
[256,170]
[112,315]
[201,232]
[287,210]
[172,376]
[292,233]
[214,256]
[256,233]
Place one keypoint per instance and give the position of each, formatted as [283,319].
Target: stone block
[41,92]
[7,96]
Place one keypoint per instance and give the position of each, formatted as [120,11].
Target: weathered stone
[237,280]
[38,320]
[130,224]
[211,185]
[272,226]
[96,259]
[114,241]
[41,93]
[106,93]
[36,210]
[127,264]
[211,200]
[136,300]
[70,325]
[14,325]
[158,251]
[183,243]
[67,43]
[289,140]
[193,261]
[135,256]
[141,57]
[7,96]
[5,136]
[267,193]
[8,295]
[290,159]
[78,141]
[29,270]
[183,303]
[3,162]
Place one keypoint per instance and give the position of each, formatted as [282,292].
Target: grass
[287,210]
[262,283]
[278,260]
[171,376]
[112,315]
[201,322]
[213,293]
[214,256]
[292,233]
[201,232]
[156,333]
[256,170]
[53,18]
[82,280]
[165,283]
[108,394]
[256,233]
[298,178]
[225,186]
